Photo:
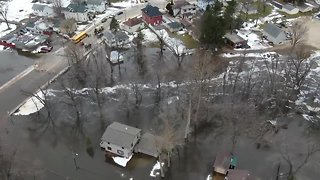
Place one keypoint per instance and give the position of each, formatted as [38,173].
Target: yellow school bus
[78,37]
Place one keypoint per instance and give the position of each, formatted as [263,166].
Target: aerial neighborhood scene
[159,89]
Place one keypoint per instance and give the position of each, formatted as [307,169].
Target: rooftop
[81,8]
[289,7]
[272,30]
[120,134]
[39,7]
[222,162]
[233,37]
[151,11]
[119,35]
[133,21]
[239,174]
[179,4]
[174,25]
[95,2]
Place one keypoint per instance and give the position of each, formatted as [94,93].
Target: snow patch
[121,160]
[4,28]
[19,9]
[149,36]
[155,170]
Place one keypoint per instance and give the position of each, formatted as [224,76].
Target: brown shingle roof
[133,21]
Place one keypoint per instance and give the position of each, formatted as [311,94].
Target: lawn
[290,16]
[188,40]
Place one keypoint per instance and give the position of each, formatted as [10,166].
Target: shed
[120,139]
[239,174]
[274,34]
[290,9]
[174,26]
[147,145]
[305,8]
[222,163]
[235,40]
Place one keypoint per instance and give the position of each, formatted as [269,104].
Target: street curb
[42,87]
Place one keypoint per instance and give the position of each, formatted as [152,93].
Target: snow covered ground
[33,104]
[156,169]
[121,160]
[149,36]
[19,9]
[127,3]
[4,28]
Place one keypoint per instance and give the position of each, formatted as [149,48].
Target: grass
[290,16]
[188,40]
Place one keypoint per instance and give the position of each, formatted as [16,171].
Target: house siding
[83,17]
[152,20]
[132,29]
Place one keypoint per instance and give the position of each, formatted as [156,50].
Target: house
[239,174]
[116,39]
[78,12]
[133,25]
[305,8]
[249,9]
[40,27]
[234,40]
[151,15]
[43,10]
[222,163]
[289,9]
[120,139]
[202,4]
[96,5]
[174,26]
[274,34]
[147,145]
[182,7]
[277,4]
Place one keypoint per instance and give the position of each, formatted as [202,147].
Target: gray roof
[233,37]
[239,174]
[120,134]
[94,2]
[81,8]
[179,4]
[174,25]
[147,145]
[272,30]
[119,35]
[151,11]
[288,7]
[38,7]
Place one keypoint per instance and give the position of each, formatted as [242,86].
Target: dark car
[119,13]
[104,20]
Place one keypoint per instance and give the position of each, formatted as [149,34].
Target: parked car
[45,49]
[119,13]
[104,20]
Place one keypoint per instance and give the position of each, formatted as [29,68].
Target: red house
[151,15]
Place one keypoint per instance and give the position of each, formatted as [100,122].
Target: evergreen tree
[228,15]
[114,25]
[169,8]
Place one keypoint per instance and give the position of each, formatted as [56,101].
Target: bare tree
[4,12]
[294,167]
[137,94]
[68,26]
[58,6]
[78,67]
[141,62]
[299,32]
[161,37]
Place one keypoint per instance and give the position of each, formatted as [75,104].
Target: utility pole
[74,155]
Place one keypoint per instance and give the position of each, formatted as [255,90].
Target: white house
[182,7]
[96,5]
[78,12]
[43,10]
[120,139]
[202,4]
[289,9]
[116,39]
[133,25]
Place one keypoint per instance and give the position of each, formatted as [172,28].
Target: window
[131,145]
[122,147]
[109,148]
[108,143]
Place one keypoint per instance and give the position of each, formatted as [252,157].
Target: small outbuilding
[305,8]
[274,34]
[174,26]
[120,139]
[147,145]
[235,40]
[290,9]
[239,174]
